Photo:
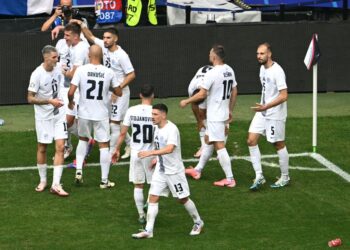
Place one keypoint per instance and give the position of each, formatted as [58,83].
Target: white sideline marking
[329,165]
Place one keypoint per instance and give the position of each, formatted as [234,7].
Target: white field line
[323,161]
[331,166]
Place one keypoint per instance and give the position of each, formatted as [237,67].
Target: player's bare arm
[121,138]
[128,79]
[32,99]
[282,97]
[201,95]
[163,151]
[70,73]
[71,92]
[233,100]
[118,91]
[56,31]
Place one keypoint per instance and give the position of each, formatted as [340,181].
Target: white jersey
[94,82]
[169,135]
[198,79]
[273,80]
[219,83]
[118,61]
[139,118]
[46,85]
[79,54]
[64,56]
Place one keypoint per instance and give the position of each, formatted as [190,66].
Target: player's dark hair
[219,50]
[161,107]
[112,31]
[74,27]
[267,45]
[147,90]
[48,49]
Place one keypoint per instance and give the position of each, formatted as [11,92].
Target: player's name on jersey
[199,76]
[227,74]
[141,118]
[96,74]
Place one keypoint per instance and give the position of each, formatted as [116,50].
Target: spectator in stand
[61,17]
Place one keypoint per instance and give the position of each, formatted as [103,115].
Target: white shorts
[53,129]
[215,131]
[100,129]
[176,183]
[139,171]
[119,108]
[274,130]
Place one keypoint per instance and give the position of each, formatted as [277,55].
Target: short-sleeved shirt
[169,135]
[273,80]
[64,56]
[94,82]
[198,79]
[46,85]
[219,83]
[139,118]
[79,54]
[118,61]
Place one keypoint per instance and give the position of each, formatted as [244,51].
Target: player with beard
[270,117]
[117,59]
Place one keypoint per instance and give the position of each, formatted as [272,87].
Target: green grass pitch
[305,215]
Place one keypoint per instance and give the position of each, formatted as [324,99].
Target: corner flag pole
[311,59]
[314,108]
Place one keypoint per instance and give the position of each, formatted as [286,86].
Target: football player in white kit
[50,117]
[270,117]
[118,60]
[94,81]
[199,108]
[169,173]
[77,56]
[139,118]
[220,88]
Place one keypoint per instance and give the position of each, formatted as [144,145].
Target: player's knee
[279,145]
[59,148]
[183,200]
[251,142]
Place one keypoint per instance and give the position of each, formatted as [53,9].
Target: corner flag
[311,58]
[313,52]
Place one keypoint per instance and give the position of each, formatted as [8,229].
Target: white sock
[115,132]
[255,157]
[127,139]
[80,154]
[139,200]
[207,152]
[202,136]
[151,216]
[42,169]
[225,162]
[284,162]
[192,210]
[105,162]
[57,174]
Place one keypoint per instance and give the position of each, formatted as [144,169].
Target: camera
[67,11]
